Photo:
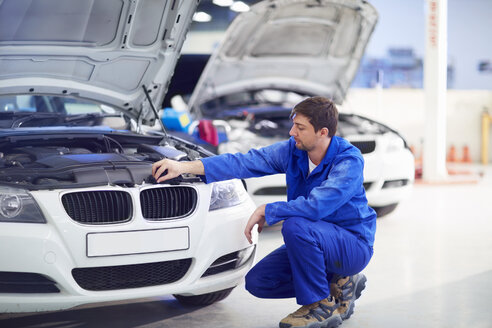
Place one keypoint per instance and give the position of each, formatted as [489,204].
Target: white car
[281,52]
[81,218]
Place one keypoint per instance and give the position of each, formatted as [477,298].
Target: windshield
[349,124]
[17,111]
[251,101]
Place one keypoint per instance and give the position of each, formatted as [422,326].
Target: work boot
[320,314]
[346,290]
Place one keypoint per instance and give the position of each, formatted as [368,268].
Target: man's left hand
[258,217]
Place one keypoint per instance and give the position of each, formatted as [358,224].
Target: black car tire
[204,299]
[384,210]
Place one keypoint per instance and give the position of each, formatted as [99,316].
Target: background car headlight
[17,205]
[226,193]
[395,143]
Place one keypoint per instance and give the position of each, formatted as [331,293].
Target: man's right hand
[258,217]
[171,168]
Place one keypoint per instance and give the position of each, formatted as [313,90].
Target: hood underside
[105,51]
[307,46]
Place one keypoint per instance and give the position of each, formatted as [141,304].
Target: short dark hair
[321,112]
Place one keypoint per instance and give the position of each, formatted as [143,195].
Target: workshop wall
[404,111]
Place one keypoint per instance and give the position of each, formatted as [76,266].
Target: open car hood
[100,50]
[311,47]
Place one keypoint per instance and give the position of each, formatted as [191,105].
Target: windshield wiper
[31,116]
[61,118]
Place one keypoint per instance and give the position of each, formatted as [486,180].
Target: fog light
[244,255]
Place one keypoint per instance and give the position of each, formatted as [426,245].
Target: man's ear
[324,132]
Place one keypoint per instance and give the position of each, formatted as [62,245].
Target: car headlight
[226,193]
[395,143]
[17,205]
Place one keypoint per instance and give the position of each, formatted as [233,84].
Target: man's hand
[171,168]
[258,217]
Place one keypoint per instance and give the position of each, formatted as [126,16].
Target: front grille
[26,283]
[367,185]
[365,147]
[98,207]
[131,276]
[223,263]
[169,202]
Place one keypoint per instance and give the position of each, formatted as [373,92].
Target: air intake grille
[98,207]
[394,183]
[365,147]
[26,283]
[131,276]
[271,191]
[169,202]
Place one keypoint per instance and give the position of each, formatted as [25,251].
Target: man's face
[303,132]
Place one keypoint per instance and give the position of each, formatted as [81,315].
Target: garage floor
[432,268]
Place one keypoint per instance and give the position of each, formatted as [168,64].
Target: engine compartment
[53,161]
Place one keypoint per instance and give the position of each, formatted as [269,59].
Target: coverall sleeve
[343,182]
[257,162]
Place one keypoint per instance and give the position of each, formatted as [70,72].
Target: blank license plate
[137,242]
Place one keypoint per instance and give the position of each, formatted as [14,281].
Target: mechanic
[328,228]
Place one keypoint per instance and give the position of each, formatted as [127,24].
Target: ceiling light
[239,6]
[202,17]
[223,3]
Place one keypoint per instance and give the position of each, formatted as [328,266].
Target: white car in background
[81,218]
[281,52]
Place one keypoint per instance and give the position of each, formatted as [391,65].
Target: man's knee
[301,229]
[252,281]
[294,226]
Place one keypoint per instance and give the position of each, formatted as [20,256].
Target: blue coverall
[328,227]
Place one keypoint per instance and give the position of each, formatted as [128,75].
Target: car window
[24,111]
[50,104]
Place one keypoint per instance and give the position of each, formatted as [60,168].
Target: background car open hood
[100,50]
[311,47]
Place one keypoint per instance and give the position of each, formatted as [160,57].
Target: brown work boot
[346,290]
[320,314]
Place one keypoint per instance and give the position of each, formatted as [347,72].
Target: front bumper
[388,177]
[53,250]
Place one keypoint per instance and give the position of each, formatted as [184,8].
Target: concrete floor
[432,267]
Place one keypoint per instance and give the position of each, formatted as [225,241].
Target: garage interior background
[388,86]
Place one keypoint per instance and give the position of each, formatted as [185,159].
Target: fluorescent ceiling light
[223,3]
[202,17]
[239,6]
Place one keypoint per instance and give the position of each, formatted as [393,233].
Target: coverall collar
[302,160]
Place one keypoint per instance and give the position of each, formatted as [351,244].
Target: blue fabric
[304,266]
[333,192]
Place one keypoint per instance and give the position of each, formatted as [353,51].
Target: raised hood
[313,47]
[104,50]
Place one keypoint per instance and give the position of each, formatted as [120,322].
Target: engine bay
[49,161]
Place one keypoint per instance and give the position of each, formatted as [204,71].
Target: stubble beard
[301,146]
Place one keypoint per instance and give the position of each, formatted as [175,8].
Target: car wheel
[385,210]
[204,299]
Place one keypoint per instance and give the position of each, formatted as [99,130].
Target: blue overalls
[328,227]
